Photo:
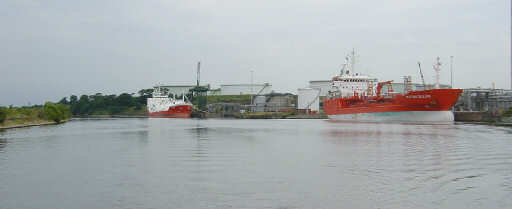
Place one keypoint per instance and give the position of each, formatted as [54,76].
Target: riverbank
[504,121]
[482,118]
[465,117]
[26,122]
[17,117]
[111,116]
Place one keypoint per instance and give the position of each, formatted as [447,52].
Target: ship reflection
[368,130]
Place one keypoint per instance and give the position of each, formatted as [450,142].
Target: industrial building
[273,102]
[226,89]
[484,100]
[245,89]
[214,92]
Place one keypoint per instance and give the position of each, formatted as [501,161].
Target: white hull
[164,104]
[434,117]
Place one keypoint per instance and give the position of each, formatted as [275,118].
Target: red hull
[182,111]
[427,100]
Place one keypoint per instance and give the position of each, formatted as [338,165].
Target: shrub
[3,114]
[115,110]
[56,112]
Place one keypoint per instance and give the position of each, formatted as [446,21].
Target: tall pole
[511,45]
[198,72]
[451,72]
[251,90]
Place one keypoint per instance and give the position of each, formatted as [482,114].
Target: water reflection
[148,163]
[143,136]
[200,132]
[3,142]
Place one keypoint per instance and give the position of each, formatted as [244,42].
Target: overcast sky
[53,49]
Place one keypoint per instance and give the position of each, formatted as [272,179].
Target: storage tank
[259,103]
[309,99]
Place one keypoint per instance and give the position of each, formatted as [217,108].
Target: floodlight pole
[251,91]
[451,72]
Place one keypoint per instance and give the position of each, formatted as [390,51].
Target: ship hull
[180,111]
[428,106]
[437,117]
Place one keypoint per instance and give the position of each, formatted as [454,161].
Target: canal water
[189,163]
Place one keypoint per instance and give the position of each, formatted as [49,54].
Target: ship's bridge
[349,85]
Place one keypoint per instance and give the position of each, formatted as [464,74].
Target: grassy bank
[50,113]
[24,122]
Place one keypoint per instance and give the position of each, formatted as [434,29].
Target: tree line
[50,111]
[99,104]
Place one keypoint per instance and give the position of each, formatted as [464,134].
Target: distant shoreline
[270,115]
[27,123]
[111,116]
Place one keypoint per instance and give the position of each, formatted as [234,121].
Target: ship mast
[353,60]
[437,68]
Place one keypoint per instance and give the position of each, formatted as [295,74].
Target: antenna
[198,72]
[343,68]
[422,79]
[437,68]
[353,60]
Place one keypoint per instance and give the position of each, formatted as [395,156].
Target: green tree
[110,100]
[3,114]
[114,110]
[64,110]
[84,99]
[97,101]
[64,101]
[56,112]
[144,94]
[85,109]
[73,99]
[124,100]
[81,107]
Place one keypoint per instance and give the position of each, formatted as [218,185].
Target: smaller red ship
[162,106]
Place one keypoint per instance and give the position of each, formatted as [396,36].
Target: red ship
[162,106]
[356,99]
[181,111]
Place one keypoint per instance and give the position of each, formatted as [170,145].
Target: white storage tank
[309,99]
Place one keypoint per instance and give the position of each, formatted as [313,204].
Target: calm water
[181,163]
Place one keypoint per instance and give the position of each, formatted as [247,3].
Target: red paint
[427,100]
[181,111]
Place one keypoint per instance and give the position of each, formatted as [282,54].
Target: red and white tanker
[163,106]
[359,98]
